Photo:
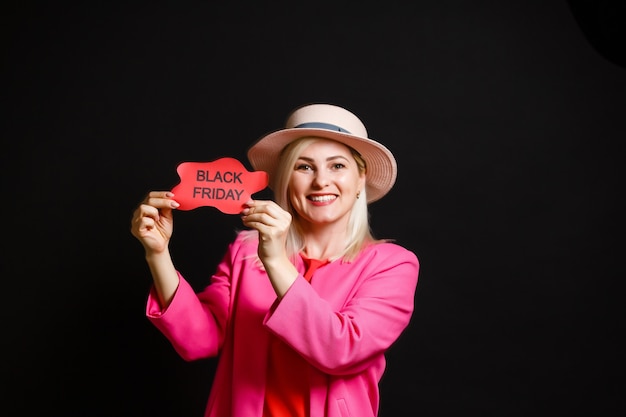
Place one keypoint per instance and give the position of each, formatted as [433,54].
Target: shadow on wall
[602,23]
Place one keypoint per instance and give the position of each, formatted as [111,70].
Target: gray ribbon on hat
[319,125]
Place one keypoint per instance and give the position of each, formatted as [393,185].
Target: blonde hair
[359,232]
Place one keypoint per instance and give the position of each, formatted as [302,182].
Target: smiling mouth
[322,198]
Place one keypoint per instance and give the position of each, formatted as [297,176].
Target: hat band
[319,125]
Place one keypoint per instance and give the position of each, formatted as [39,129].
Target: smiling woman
[306,301]
[322,190]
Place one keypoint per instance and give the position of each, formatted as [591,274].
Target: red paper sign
[224,183]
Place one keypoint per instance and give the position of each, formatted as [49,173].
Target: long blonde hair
[359,232]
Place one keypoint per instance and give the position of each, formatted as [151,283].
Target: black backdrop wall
[508,122]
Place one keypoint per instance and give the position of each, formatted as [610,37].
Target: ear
[361,184]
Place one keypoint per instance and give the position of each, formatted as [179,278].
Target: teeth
[323,198]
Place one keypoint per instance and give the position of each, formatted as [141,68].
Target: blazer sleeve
[195,323]
[343,339]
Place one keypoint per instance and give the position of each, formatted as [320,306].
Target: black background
[508,121]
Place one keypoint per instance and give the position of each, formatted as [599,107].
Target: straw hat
[330,122]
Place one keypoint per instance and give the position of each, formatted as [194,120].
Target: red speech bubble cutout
[224,183]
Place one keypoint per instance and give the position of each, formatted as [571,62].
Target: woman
[305,302]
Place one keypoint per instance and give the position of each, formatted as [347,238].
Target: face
[325,182]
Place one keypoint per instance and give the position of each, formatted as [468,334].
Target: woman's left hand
[272,223]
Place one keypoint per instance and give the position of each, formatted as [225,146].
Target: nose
[321,179]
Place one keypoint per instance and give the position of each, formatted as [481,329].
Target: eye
[303,167]
[338,165]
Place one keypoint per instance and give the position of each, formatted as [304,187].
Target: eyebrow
[330,158]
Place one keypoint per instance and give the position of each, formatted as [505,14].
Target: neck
[328,247]
[324,241]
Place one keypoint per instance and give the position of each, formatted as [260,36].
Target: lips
[322,198]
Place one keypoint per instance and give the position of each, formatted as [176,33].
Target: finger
[162,202]
[160,194]
[142,225]
[146,210]
[146,224]
[250,209]
[263,228]
[265,224]
[258,205]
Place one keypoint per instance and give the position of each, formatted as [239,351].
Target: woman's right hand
[152,223]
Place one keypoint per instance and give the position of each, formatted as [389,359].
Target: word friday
[228,177]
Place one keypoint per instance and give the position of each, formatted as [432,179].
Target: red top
[286,389]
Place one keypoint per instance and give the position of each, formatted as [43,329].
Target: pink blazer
[341,322]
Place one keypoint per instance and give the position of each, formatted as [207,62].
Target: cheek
[296,191]
[296,185]
[349,182]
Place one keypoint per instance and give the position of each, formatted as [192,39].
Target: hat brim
[382,168]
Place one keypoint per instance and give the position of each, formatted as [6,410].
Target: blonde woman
[306,301]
